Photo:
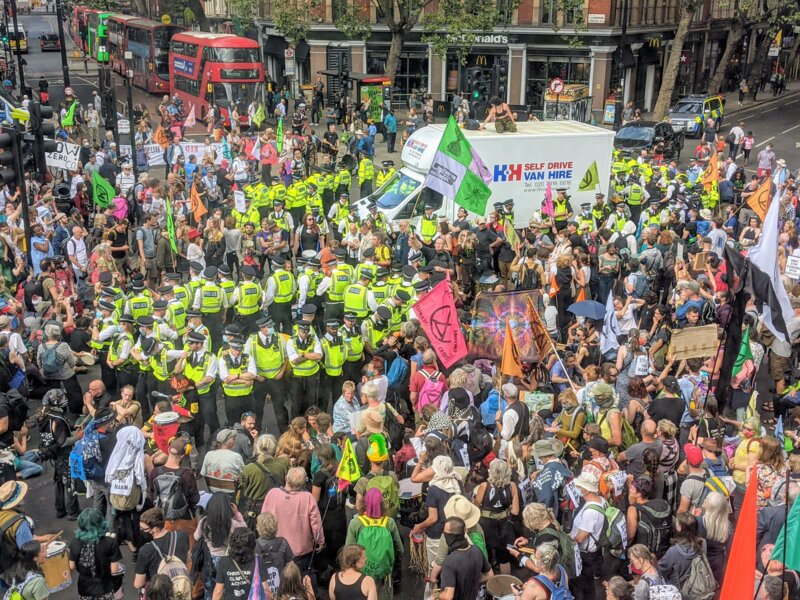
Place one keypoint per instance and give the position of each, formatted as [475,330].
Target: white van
[521,165]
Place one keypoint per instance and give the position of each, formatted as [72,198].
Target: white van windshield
[394,191]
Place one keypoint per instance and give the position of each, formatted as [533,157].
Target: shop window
[412,73]
[542,70]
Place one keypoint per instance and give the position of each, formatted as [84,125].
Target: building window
[505,12]
[549,11]
[412,73]
[542,70]
[574,15]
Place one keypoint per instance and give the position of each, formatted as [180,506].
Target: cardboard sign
[238,200]
[65,157]
[699,261]
[693,342]
[793,267]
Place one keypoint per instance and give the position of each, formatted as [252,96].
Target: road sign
[166,19]
[288,53]
[123,126]
[556,85]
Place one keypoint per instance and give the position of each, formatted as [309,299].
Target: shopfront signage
[489,40]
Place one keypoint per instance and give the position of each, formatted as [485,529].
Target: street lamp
[618,97]
[129,89]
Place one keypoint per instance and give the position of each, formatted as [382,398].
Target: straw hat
[12,493]
[372,421]
[459,506]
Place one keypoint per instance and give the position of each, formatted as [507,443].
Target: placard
[618,480]
[699,261]
[238,201]
[693,342]
[65,156]
[793,267]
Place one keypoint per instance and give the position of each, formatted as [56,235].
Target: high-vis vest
[249,298]
[116,345]
[281,221]
[355,300]
[161,367]
[599,214]
[141,306]
[653,219]
[250,216]
[194,285]
[381,291]
[333,356]
[383,176]
[428,228]
[197,372]
[236,389]
[619,223]
[296,195]
[343,178]
[587,221]
[306,367]
[361,267]
[314,200]
[560,211]
[341,213]
[210,298]
[374,335]
[354,343]
[398,315]
[340,280]
[284,286]
[181,294]
[104,345]
[313,282]
[319,180]
[366,170]
[176,316]
[269,359]
[277,191]
[227,287]
[635,194]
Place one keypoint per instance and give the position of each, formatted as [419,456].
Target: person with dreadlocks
[57,440]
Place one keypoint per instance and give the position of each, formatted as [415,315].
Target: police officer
[600,211]
[119,357]
[194,322]
[227,285]
[161,359]
[246,300]
[307,314]
[562,210]
[305,353]
[328,183]
[237,372]
[210,300]
[428,225]
[336,284]
[386,172]
[635,195]
[508,212]
[375,329]
[139,304]
[358,298]
[354,352]
[269,354]
[421,287]
[307,284]
[651,217]
[380,288]
[195,280]
[180,291]
[366,175]
[397,304]
[368,264]
[250,214]
[617,221]
[176,313]
[281,288]
[334,353]
[144,384]
[338,214]
[585,218]
[104,327]
[296,198]
[381,224]
[281,217]
[201,368]
[313,198]
[165,332]
[276,192]
[343,179]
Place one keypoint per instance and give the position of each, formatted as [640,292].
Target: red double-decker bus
[79,23]
[214,67]
[117,35]
[148,42]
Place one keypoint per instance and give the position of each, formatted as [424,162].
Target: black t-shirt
[462,570]
[437,498]
[237,579]
[79,340]
[148,560]
[7,438]
[94,565]
[485,238]
[332,138]
[666,407]
[118,240]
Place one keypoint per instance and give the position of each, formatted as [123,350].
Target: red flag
[160,138]
[511,364]
[437,314]
[740,573]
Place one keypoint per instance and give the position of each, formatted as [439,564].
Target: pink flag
[478,166]
[190,121]
[437,313]
[547,206]
[255,152]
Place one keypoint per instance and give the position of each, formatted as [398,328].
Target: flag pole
[785,527]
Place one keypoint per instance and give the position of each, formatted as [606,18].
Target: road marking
[769,110]
[790,128]
[765,141]
[793,101]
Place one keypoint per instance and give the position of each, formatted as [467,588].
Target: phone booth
[573,104]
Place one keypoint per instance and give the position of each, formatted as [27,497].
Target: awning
[275,45]
[628,59]
[301,51]
[648,56]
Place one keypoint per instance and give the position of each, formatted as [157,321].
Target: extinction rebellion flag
[458,172]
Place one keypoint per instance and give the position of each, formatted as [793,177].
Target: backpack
[64,250]
[51,361]
[700,584]
[335,498]
[480,442]
[708,313]
[629,437]
[656,525]
[251,507]
[124,502]
[378,542]
[712,483]
[398,372]
[394,430]
[33,288]
[174,568]
[390,491]
[16,589]
[273,559]
[606,482]
[432,390]
[169,495]
[641,286]
[8,547]
[612,540]
[557,592]
[85,470]
[567,551]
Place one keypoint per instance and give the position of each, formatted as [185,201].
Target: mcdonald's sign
[481,61]
[441,109]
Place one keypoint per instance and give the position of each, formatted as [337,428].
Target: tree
[293,18]
[244,10]
[688,8]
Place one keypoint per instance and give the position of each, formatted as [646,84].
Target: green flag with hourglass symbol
[591,180]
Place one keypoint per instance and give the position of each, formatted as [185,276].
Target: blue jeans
[210,579]
[29,465]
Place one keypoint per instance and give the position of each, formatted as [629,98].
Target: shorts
[505,124]
[778,366]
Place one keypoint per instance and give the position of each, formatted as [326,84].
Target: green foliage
[293,18]
[351,20]
[457,24]
[244,10]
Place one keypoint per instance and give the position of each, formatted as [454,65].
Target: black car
[632,138]
[49,41]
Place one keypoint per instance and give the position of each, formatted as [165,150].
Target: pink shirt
[299,521]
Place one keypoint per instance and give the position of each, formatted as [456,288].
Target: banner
[155,153]
[65,157]
[489,316]
[759,200]
[160,138]
[437,314]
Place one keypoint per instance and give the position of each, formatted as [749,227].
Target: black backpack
[655,525]
[708,314]
[33,287]
[480,442]
[170,495]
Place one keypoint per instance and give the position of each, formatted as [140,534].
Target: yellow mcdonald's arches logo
[481,61]
[440,108]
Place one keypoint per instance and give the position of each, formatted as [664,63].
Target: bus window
[232,55]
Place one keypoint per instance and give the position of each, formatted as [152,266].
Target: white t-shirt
[628,321]
[76,248]
[592,521]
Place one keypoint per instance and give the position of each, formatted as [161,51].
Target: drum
[55,569]
[486,281]
[410,503]
[499,586]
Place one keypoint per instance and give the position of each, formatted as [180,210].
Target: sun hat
[587,481]
[12,493]
[459,506]
[548,447]
[372,421]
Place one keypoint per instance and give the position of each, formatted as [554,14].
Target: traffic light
[7,158]
[479,84]
[500,79]
[41,130]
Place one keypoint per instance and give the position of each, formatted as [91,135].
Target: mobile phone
[516,587]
